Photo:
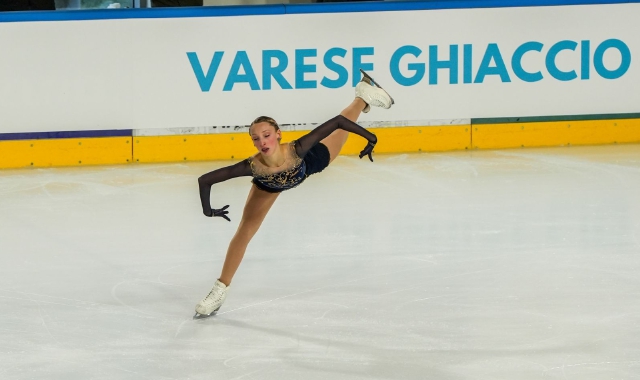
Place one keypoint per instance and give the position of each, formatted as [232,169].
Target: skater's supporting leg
[258,204]
[336,140]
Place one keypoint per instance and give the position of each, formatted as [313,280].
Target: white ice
[513,264]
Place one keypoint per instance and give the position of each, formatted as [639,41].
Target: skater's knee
[246,230]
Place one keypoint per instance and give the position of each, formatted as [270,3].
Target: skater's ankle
[225,282]
[360,104]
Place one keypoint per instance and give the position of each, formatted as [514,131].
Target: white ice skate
[370,91]
[211,303]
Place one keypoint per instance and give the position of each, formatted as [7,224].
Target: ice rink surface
[513,264]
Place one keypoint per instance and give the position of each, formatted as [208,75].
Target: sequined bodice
[290,174]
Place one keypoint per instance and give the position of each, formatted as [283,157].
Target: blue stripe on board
[273,9]
[433,5]
[141,13]
[65,135]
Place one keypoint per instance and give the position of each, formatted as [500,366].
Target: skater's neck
[276,159]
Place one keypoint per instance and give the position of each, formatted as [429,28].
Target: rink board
[185,95]
[191,147]
[65,152]
[238,145]
[555,133]
[234,146]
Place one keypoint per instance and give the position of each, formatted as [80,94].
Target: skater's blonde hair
[265,119]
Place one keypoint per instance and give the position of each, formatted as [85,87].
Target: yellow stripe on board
[229,146]
[235,146]
[65,152]
[555,133]
[414,139]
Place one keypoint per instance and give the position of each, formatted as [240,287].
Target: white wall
[135,73]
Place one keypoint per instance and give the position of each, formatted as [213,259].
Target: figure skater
[278,167]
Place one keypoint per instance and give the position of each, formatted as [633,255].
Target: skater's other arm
[307,141]
[205,182]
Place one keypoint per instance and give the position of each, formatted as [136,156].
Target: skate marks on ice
[544,247]
[319,289]
[198,316]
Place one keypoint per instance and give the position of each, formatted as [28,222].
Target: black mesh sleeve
[241,169]
[307,141]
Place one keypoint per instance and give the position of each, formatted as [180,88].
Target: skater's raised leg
[336,140]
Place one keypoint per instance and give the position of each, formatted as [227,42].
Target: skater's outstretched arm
[307,141]
[205,182]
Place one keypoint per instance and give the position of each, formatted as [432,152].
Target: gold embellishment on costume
[283,180]
[285,176]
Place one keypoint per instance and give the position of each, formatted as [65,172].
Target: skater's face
[265,137]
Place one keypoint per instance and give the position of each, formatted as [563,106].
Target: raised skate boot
[372,94]
[211,303]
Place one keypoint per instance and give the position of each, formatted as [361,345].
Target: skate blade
[205,316]
[373,81]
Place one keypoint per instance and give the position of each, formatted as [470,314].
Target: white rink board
[135,73]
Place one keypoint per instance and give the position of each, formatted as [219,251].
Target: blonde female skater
[278,167]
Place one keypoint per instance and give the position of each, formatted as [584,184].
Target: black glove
[220,212]
[368,150]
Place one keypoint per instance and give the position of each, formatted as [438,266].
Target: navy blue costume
[305,157]
[316,159]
